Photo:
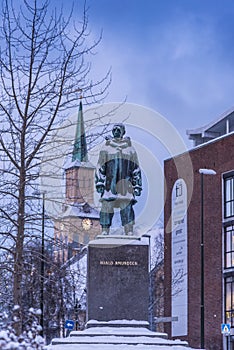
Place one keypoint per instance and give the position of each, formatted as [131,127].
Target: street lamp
[43,193]
[202,306]
[42,261]
[150,284]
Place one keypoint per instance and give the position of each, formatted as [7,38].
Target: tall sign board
[179,259]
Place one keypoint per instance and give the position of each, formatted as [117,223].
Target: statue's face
[117,131]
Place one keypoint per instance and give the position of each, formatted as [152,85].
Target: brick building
[199,237]
[79,221]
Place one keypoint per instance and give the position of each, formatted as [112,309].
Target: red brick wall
[80,185]
[218,155]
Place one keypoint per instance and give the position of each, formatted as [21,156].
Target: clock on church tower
[86,224]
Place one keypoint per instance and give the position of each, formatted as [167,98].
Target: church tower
[79,171]
[79,221]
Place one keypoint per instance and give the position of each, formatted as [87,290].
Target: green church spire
[80,151]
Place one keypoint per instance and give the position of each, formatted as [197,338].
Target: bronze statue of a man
[118,179]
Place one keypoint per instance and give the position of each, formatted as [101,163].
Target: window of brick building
[228,231]
[86,238]
[229,196]
[229,300]
[229,246]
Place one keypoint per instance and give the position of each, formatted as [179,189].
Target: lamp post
[150,285]
[42,261]
[202,306]
[42,267]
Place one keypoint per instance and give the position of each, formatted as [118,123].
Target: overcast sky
[174,56]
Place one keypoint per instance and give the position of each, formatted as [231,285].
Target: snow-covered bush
[30,339]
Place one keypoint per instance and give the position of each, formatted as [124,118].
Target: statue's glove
[100,188]
[137,191]
[136,182]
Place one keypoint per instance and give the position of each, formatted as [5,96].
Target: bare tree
[43,69]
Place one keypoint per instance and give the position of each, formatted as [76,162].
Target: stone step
[118,323]
[117,336]
[120,332]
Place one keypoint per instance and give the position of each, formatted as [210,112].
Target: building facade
[78,223]
[199,242]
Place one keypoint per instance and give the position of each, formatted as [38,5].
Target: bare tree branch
[43,68]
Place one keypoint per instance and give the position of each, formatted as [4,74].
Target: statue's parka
[118,175]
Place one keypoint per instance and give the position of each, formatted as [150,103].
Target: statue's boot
[128,229]
[105,231]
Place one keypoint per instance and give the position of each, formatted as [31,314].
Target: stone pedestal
[118,279]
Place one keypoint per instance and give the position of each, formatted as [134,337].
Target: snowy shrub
[30,339]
